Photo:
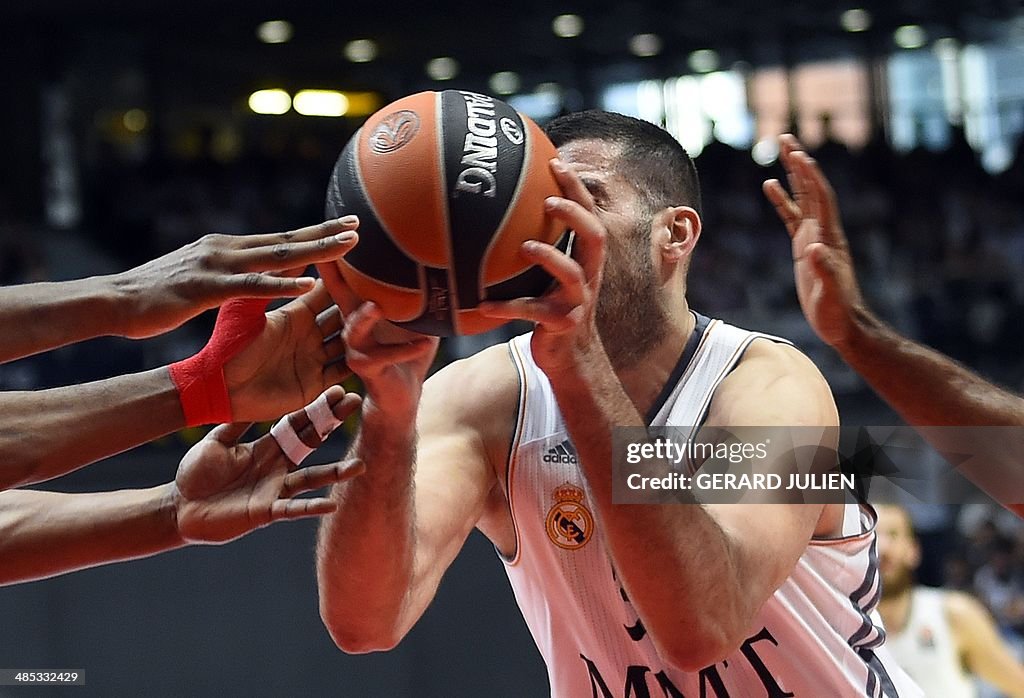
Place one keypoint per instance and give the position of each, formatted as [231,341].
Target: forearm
[934,393]
[44,316]
[1010,682]
[43,534]
[698,567]
[47,433]
[925,387]
[365,549]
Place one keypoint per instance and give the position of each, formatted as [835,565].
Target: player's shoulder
[785,382]
[491,367]
[475,388]
[768,364]
[961,608]
[776,356]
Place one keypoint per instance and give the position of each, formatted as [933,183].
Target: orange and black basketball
[447,186]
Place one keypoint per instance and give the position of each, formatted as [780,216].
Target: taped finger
[290,443]
[321,414]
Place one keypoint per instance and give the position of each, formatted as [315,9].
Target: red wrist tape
[200,379]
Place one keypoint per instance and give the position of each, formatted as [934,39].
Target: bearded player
[940,637]
[638,600]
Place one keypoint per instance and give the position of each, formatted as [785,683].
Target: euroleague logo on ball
[394,131]
[511,130]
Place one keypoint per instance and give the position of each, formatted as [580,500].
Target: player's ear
[684,226]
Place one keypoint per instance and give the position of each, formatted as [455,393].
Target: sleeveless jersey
[817,635]
[927,650]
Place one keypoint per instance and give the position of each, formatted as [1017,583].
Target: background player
[939,637]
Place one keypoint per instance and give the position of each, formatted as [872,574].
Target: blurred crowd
[989,562]
[938,242]
[984,555]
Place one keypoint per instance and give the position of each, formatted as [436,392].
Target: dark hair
[651,158]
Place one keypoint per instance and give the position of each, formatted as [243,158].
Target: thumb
[229,434]
[821,260]
[825,268]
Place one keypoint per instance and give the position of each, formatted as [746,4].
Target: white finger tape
[284,433]
[322,416]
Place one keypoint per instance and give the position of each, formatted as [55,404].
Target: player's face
[630,313]
[898,554]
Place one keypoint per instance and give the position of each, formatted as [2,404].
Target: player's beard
[896,581]
[630,316]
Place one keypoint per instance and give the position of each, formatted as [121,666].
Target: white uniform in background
[927,650]
[818,635]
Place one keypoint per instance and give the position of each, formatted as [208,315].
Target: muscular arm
[925,387]
[716,564]
[984,652]
[929,389]
[47,433]
[222,491]
[53,314]
[404,521]
[165,292]
[47,533]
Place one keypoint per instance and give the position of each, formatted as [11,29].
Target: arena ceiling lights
[361,50]
[276,31]
[271,101]
[855,20]
[315,102]
[567,26]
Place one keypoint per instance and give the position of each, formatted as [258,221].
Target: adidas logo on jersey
[562,453]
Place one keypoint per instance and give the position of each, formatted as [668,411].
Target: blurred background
[133,127]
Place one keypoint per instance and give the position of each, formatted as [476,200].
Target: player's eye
[597,191]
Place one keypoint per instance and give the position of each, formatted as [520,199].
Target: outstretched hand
[298,354]
[224,489]
[166,292]
[825,278]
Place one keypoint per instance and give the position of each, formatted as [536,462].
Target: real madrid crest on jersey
[569,523]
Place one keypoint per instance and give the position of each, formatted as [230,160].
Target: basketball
[447,187]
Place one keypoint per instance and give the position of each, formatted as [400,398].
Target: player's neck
[894,607]
[644,379]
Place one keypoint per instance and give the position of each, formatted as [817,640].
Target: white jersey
[818,635]
[927,649]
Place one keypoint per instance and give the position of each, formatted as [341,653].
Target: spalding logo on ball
[447,187]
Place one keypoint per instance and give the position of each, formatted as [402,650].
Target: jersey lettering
[636,682]
[712,685]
